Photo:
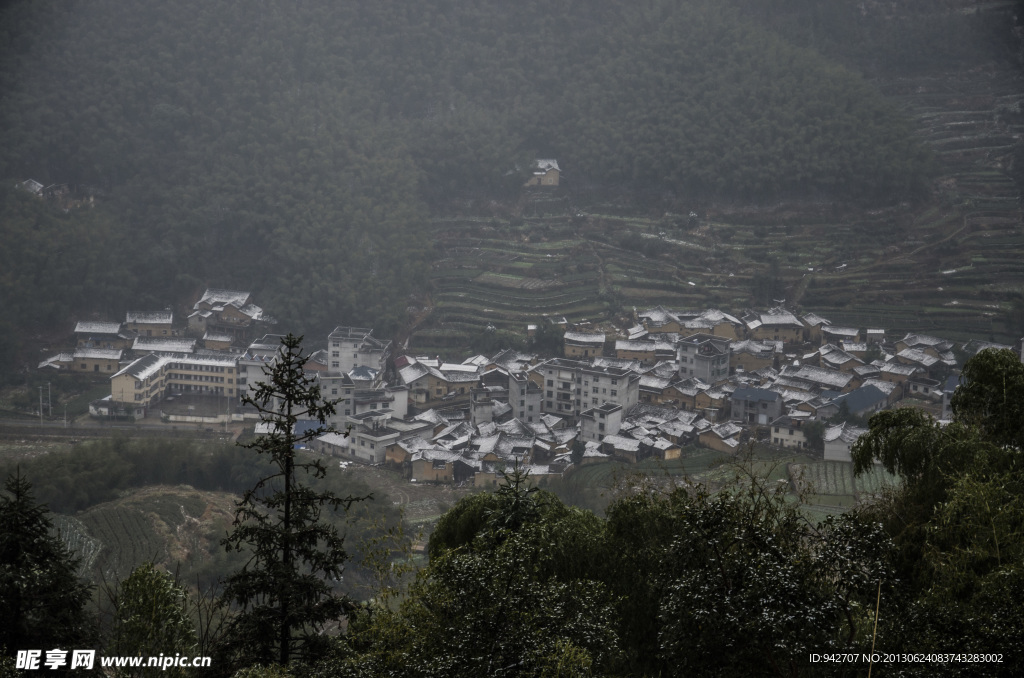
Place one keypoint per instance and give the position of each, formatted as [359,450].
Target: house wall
[576,351]
[105,366]
[749,361]
[424,470]
[642,356]
[787,333]
[152,329]
[787,436]
[710,440]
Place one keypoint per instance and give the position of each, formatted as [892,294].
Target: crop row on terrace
[128,538]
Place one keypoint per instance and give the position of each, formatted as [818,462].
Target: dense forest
[294,148]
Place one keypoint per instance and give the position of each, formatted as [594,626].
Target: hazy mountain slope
[293,147]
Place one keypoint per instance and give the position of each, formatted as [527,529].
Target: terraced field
[950,266]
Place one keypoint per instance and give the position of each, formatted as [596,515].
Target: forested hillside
[294,148]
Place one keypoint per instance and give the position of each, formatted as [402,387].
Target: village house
[167,345]
[215,341]
[583,344]
[755,406]
[863,401]
[787,431]
[839,440]
[96,360]
[814,324]
[91,334]
[645,350]
[711,321]
[655,390]
[835,358]
[752,355]
[150,323]
[722,438]
[660,320]
[225,312]
[777,324]
[601,421]
[834,335]
[545,172]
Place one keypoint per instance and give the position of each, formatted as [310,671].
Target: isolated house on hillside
[545,173]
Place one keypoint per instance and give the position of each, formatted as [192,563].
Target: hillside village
[671,380]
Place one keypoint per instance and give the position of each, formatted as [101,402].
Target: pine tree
[41,596]
[284,594]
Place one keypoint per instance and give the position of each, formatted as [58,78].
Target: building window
[530,409]
[334,391]
[334,363]
[551,382]
[595,389]
[614,392]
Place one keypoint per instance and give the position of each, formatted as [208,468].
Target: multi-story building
[705,357]
[598,422]
[257,359]
[571,386]
[151,378]
[524,396]
[351,347]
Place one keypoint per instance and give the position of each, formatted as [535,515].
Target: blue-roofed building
[863,401]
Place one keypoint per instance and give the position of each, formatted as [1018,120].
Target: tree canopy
[41,594]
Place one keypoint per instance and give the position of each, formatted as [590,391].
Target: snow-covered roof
[91,327]
[336,439]
[149,317]
[541,165]
[589,338]
[217,297]
[411,373]
[844,432]
[621,443]
[56,361]
[164,345]
[98,353]
[779,316]
[918,356]
[840,331]
[217,336]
